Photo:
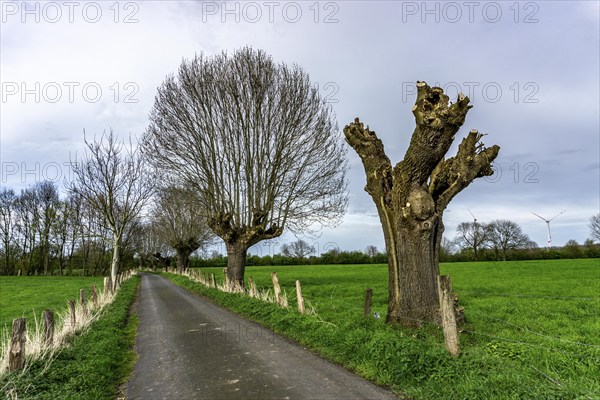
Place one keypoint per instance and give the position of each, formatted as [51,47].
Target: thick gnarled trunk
[238,240]
[412,195]
[236,262]
[412,290]
[183,258]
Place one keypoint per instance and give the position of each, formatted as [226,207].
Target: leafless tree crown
[113,179]
[179,220]
[254,139]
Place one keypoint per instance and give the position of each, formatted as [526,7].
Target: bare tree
[147,242]
[27,222]
[180,222]
[506,235]
[258,144]
[8,199]
[595,227]
[114,181]
[412,195]
[297,249]
[371,251]
[447,247]
[47,200]
[474,236]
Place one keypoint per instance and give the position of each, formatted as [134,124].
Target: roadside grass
[92,366]
[29,296]
[532,328]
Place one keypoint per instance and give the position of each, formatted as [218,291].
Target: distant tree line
[371,255]
[42,233]
[502,240]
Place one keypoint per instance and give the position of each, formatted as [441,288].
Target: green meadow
[29,296]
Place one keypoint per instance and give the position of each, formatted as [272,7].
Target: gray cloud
[532,78]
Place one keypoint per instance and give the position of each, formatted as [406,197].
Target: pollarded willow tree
[258,144]
[180,223]
[412,195]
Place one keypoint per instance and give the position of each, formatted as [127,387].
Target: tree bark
[236,262]
[413,295]
[116,261]
[183,258]
[412,195]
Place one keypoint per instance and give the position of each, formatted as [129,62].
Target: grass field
[29,296]
[92,366]
[533,328]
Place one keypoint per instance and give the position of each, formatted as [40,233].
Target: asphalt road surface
[190,348]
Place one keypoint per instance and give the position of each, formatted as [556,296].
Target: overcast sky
[530,69]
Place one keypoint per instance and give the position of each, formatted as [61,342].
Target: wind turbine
[548,225]
[474,219]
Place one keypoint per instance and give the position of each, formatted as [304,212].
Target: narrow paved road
[190,348]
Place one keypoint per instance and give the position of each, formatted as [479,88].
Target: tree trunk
[142,264]
[412,291]
[236,262]
[183,258]
[116,260]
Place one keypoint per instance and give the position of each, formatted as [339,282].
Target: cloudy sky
[530,69]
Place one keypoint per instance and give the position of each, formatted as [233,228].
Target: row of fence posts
[447,313]
[209,280]
[16,357]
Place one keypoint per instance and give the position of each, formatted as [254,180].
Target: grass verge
[92,366]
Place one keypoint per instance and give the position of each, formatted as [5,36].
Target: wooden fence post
[300,298]
[368,302]
[107,285]
[276,288]
[94,296]
[253,290]
[48,317]
[72,312]
[16,357]
[448,316]
[83,301]
[117,283]
[225,280]
[213,283]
